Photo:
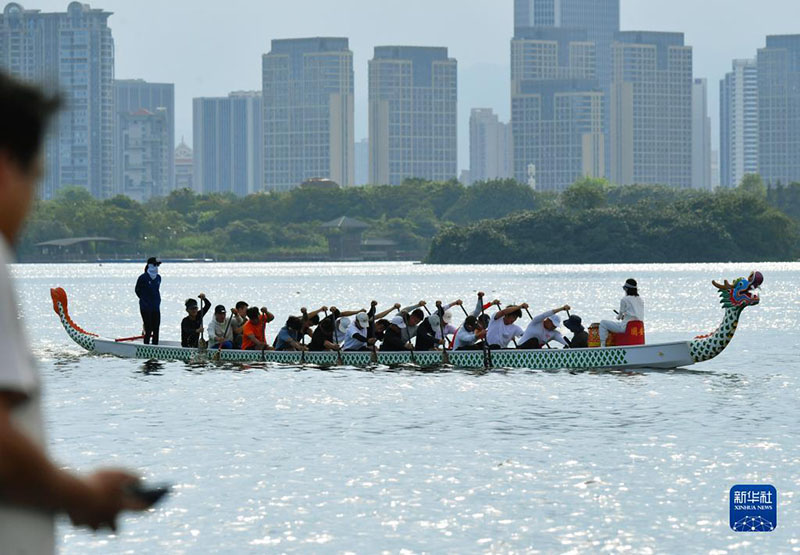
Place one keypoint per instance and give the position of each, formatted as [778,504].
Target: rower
[580,338]
[502,328]
[631,307]
[288,338]
[220,333]
[473,329]
[254,333]
[192,325]
[238,319]
[355,338]
[403,328]
[542,329]
[323,338]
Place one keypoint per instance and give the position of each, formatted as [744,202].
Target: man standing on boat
[33,489]
[148,290]
[631,307]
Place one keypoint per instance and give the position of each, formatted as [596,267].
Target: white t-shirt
[350,342]
[536,329]
[500,333]
[21,530]
[631,307]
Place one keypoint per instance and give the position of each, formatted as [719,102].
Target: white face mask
[152,271]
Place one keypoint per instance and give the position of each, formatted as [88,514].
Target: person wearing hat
[254,331]
[148,290]
[327,336]
[220,330]
[631,307]
[580,338]
[192,325]
[542,329]
[355,337]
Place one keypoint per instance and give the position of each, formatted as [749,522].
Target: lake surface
[272,459]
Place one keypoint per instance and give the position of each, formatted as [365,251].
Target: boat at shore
[734,298]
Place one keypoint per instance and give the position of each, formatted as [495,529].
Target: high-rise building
[228,148]
[362,162]
[600,18]
[738,122]
[714,169]
[145,154]
[779,109]
[133,95]
[701,136]
[556,108]
[489,146]
[651,109]
[412,114]
[72,52]
[308,112]
[184,170]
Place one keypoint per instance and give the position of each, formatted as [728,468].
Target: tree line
[493,221]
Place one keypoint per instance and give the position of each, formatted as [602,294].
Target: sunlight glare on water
[276,458]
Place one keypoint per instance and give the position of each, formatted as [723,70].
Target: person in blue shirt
[288,338]
[147,289]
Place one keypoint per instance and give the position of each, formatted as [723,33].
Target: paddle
[487,352]
[336,337]
[371,331]
[202,344]
[440,311]
[218,354]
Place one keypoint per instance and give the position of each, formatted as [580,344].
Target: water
[268,458]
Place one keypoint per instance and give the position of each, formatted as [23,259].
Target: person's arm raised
[386,312]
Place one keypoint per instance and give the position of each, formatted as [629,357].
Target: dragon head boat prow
[61,308]
[734,298]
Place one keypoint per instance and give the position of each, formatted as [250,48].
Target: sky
[213,48]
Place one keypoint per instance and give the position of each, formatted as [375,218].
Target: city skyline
[175,50]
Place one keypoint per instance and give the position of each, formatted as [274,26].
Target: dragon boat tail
[734,298]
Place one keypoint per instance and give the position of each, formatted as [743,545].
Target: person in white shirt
[543,328]
[631,307]
[355,338]
[471,331]
[220,329]
[33,488]
[502,329]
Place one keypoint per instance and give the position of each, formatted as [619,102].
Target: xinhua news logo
[754,508]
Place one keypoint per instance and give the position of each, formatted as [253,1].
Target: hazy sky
[212,48]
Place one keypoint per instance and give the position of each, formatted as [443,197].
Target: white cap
[447,316]
[343,324]
[398,321]
[434,321]
[362,319]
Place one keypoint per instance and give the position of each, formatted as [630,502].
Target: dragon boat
[734,298]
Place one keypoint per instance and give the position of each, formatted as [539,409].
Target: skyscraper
[779,109]
[72,52]
[131,96]
[600,19]
[651,109]
[184,170]
[412,114]
[489,146]
[701,136]
[308,112]
[228,148]
[738,122]
[556,108]
[361,155]
[145,154]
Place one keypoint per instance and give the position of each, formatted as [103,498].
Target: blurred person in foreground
[33,489]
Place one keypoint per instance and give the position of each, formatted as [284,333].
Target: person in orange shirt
[253,333]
